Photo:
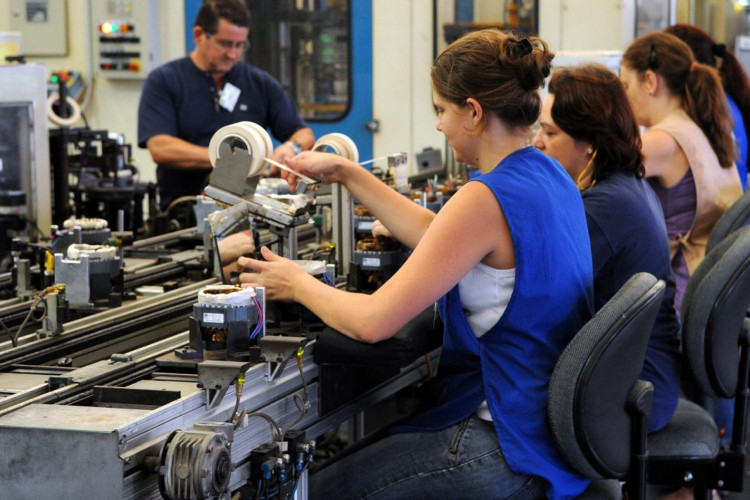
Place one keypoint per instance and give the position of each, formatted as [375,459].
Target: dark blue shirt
[180,100]
[628,236]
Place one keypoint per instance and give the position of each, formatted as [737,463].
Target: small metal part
[52,326]
[23,276]
[216,377]
[277,350]
[120,358]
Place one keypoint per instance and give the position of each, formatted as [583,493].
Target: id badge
[229,96]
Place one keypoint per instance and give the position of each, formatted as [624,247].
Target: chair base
[725,472]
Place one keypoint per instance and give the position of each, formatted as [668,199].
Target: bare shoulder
[662,156]
[659,143]
[474,217]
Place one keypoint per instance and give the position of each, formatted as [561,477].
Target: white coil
[85,223]
[75,111]
[94,252]
[227,295]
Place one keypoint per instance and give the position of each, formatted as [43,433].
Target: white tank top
[485,293]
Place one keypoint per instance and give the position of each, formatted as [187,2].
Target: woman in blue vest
[509,262]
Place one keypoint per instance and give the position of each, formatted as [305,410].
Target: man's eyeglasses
[228,44]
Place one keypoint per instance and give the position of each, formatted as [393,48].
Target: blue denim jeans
[462,461]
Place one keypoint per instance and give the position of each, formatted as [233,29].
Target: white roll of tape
[341,144]
[264,134]
[255,139]
[75,111]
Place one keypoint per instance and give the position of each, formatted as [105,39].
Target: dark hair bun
[531,58]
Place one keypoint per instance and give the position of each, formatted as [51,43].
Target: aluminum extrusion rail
[108,325]
[134,364]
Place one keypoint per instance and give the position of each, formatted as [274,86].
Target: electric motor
[195,465]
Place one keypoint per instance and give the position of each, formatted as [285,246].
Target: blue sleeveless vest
[510,366]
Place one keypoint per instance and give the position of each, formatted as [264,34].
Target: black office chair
[736,217]
[715,346]
[597,407]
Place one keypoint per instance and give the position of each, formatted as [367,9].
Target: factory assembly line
[136,368]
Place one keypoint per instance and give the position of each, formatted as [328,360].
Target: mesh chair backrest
[714,305]
[592,379]
[736,217]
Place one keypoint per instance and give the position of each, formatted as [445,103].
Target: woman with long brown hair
[688,147]
[733,78]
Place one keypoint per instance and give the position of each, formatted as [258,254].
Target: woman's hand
[236,245]
[324,166]
[378,229]
[281,154]
[278,275]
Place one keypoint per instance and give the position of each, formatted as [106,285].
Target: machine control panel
[125,37]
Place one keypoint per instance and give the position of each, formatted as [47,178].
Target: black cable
[9,333]
[300,402]
[276,428]
[32,223]
[42,247]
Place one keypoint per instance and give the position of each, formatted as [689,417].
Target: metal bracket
[230,172]
[230,185]
[276,350]
[215,377]
[225,428]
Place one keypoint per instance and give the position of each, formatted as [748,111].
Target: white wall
[585,25]
[403,54]
[114,103]
[402,95]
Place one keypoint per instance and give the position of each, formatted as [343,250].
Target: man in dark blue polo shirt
[184,102]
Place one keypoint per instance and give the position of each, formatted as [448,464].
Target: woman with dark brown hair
[688,147]
[587,124]
[509,262]
[733,78]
